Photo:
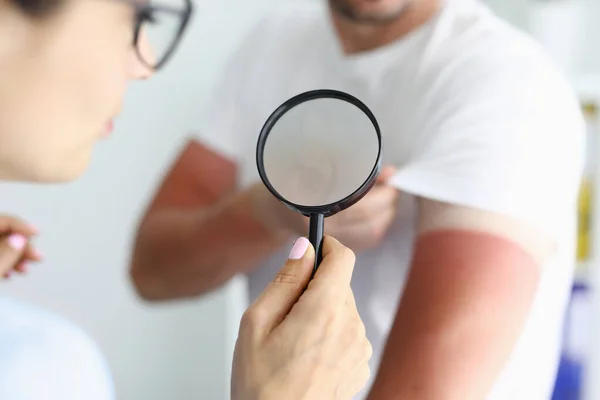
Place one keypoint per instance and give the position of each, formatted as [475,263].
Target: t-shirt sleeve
[504,138]
[220,127]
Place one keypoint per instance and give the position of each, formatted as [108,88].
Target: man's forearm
[187,252]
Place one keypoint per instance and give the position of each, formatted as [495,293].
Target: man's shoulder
[475,60]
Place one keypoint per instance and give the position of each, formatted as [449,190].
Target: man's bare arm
[471,286]
[198,231]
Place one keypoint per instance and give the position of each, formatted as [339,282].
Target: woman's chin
[64,175]
[46,174]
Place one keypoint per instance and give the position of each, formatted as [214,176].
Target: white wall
[177,351]
[569,28]
[515,11]
[590,58]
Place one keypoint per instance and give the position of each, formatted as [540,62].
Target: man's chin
[367,15]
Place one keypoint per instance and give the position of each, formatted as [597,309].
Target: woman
[64,66]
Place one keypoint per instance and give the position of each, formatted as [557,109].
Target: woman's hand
[15,246]
[295,344]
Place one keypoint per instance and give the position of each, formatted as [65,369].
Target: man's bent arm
[198,232]
[470,289]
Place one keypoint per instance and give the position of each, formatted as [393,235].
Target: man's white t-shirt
[472,112]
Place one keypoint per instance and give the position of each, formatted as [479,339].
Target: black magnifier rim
[331,208]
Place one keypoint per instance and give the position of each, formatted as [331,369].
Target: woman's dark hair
[38,8]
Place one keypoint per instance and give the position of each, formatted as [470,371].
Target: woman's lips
[108,129]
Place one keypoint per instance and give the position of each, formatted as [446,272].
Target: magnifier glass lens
[320,151]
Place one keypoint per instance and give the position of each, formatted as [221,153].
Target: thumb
[11,251]
[277,300]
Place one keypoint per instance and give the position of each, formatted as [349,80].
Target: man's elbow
[143,271]
[146,285]
[153,282]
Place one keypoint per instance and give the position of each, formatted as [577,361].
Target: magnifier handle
[315,237]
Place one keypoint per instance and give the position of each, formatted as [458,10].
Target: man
[464,248]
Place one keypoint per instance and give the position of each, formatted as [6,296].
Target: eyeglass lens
[160,29]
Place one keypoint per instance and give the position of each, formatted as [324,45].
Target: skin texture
[473,278]
[49,70]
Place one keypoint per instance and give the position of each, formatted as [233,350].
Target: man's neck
[356,37]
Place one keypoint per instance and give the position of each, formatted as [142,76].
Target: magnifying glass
[319,153]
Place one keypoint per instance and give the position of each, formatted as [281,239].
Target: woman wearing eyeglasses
[64,67]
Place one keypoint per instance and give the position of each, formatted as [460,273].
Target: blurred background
[183,350]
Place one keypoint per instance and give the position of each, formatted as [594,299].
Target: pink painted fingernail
[300,247]
[17,241]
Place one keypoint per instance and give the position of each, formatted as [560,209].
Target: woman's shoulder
[42,355]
